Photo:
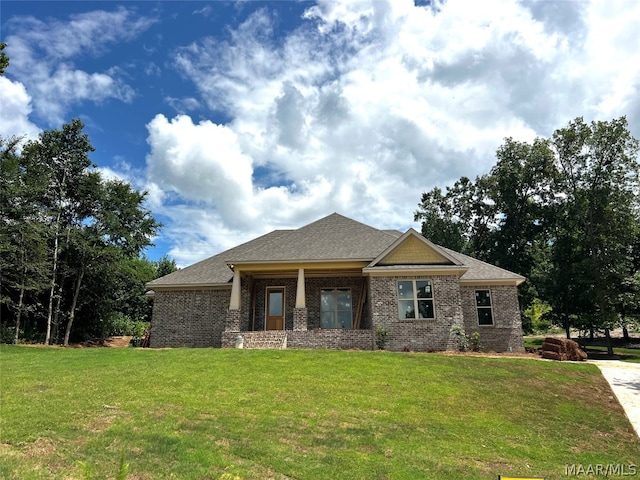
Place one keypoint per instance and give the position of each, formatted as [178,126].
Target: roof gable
[413,249]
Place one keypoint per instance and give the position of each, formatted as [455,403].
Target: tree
[461,219]
[501,217]
[164,266]
[596,219]
[561,211]
[118,226]
[23,240]
[63,227]
[62,156]
[4,60]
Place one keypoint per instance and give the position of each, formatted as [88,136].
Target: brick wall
[331,339]
[196,318]
[232,320]
[189,318]
[273,339]
[506,331]
[299,318]
[246,292]
[419,334]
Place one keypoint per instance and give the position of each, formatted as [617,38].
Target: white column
[300,296]
[234,304]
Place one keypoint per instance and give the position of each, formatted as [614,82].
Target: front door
[275,308]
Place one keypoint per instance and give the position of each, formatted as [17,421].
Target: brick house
[330,284]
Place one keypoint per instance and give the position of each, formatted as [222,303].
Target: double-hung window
[335,308]
[483,305]
[415,296]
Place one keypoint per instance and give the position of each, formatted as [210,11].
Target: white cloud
[41,57]
[202,163]
[205,11]
[183,105]
[368,104]
[15,111]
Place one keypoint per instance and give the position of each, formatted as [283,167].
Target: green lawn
[211,414]
[619,353]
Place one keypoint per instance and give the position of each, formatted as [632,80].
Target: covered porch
[298,306]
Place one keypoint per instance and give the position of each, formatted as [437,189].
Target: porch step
[276,340]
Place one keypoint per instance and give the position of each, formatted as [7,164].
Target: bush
[122,325]
[536,318]
[464,341]
[381,337]
[7,334]
[474,342]
[461,338]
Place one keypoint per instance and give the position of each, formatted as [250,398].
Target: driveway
[624,379]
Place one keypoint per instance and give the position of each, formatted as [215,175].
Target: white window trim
[334,289]
[415,298]
[490,307]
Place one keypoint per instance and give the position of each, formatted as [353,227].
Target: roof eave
[458,270]
[277,263]
[189,286]
[492,281]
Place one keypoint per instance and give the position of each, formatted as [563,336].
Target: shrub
[122,325]
[7,334]
[474,342]
[461,338]
[381,337]
[536,318]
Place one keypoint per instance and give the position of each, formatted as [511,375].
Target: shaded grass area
[210,414]
[598,352]
[619,353]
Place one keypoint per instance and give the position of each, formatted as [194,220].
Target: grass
[619,353]
[228,414]
[596,352]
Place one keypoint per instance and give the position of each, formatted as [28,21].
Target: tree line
[70,242]
[564,212]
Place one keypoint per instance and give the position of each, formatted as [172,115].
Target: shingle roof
[479,270]
[331,238]
[212,270]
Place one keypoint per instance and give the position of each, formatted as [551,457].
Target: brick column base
[232,322]
[300,318]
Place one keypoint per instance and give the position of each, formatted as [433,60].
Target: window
[335,308]
[483,304]
[415,296]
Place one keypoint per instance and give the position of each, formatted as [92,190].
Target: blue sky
[242,117]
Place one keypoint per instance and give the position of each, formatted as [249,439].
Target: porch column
[300,312]
[300,296]
[234,304]
[232,323]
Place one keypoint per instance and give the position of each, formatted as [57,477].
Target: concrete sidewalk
[624,379]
